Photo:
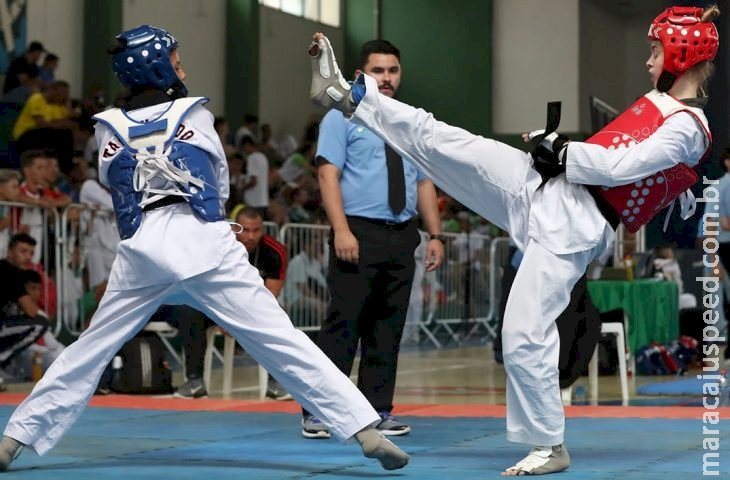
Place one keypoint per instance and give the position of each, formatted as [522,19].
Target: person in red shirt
[270,259]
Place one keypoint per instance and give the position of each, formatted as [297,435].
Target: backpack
[143,369]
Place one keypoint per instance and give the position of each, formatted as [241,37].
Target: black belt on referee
[163,202]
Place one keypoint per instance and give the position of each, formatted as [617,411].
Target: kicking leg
[489,177]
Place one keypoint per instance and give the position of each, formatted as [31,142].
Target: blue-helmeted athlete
[164,164]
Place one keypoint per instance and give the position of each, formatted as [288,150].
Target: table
[652,308]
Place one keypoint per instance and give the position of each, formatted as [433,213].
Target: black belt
[604,207]
[163,202]
[381,222]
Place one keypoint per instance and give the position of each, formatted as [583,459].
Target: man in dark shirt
[21,319]
[269,257]
[23,66]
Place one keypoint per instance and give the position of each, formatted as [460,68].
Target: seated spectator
[21,318]
[269,147]
[47,70]
[46,122]
[667,267]
[223,128]
[47,347]
[237,178]
[9,192]
[304,295]
[296,211]
[55,183]
[256,188]
[269,257]
[298,169]
[249,129]
[100,228]
[33,165]
[16,98]
[23,66]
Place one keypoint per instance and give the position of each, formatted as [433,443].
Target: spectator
[256,189]
[249,129]
[33,164]
[223,128]
[667,266]
[238,179]
[296,211]
[9,192]
[298,169]
[305,290]
[46,346]
[371,196]
[269,257]
[269,147]
[101,227]
[22,320]
[23,66]
[47,70]
[17,97]
[45,122]
[55,183]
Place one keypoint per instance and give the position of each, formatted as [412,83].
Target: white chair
[617,329]
[229,347]
[165,331]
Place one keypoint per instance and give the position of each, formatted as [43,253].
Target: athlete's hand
[553,142]
[347,247]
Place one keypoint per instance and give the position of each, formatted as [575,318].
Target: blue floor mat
[140,444]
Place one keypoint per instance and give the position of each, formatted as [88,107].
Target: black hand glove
[549,156]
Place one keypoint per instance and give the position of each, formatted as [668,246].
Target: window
[324,11]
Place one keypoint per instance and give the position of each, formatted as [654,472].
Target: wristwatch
[440,237]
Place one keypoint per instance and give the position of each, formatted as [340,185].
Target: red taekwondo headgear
[686,39]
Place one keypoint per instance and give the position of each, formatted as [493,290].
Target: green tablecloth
[652,308]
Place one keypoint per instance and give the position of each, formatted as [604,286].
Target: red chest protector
[638,202]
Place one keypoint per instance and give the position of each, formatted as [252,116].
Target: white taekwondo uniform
[175,257]
[558,226]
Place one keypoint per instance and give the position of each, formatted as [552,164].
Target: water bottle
[37,369]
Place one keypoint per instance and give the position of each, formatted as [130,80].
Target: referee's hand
[346,247]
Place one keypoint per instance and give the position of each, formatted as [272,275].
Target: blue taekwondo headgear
[141,60]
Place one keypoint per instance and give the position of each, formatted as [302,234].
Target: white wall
[602,38]
[637,52]
[58,25]
[284,75]
[535,61]
[199,26]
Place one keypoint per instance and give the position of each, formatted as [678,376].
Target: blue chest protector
[151,153]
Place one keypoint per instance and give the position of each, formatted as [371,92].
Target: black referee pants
[368,305]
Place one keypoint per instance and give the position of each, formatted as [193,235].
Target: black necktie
[396,180]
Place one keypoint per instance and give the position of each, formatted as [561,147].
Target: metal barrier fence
[456,302]
[43,225]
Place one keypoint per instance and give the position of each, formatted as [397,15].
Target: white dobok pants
[234,296]
[497,182]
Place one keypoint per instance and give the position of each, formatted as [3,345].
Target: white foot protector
[329,88]
[541,460]
[10,448]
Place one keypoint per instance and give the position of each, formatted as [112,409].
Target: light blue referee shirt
[359,154]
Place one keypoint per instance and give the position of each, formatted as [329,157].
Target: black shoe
[193,388]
